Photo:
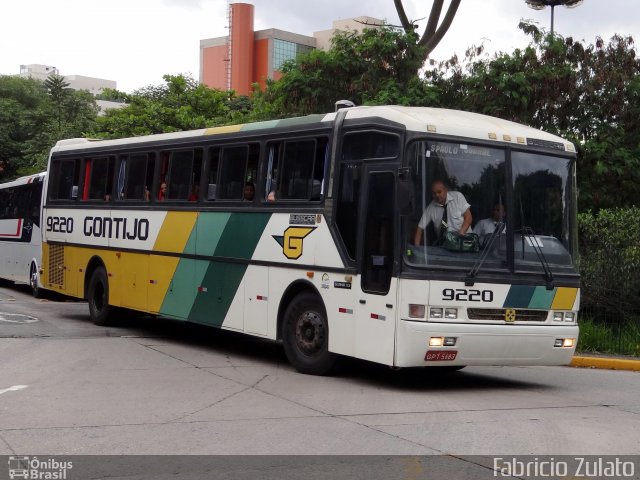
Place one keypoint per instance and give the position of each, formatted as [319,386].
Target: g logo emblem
[291,241]
[509,315]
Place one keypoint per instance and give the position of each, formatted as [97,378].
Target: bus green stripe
[221,280]
[542,298]
[519,296]
[241,235]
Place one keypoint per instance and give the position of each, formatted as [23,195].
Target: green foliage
[33,116]
[179,104]
[601,337]
[376,66]
[610,258]
[587,93]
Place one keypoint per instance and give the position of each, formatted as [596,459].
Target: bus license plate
[440,355]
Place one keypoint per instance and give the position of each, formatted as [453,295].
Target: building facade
[93,85]
[245,56]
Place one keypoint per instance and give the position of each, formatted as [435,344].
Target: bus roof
[23,180]
[455,123]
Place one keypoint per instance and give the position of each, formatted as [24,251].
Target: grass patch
[619,339]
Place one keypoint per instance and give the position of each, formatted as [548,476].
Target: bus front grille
[56,265]
[497,314]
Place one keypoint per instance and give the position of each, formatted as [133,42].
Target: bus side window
[98,178]
[135,176]
[320,168]
[213,162]
[239,164]
[65,178]
[368,145]
[274,152]
[232,170]
[183,179]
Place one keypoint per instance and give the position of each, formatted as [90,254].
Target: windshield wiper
[469,281]
[548,274]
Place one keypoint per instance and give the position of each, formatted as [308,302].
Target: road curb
[606,363]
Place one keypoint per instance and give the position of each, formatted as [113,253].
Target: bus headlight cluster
[569,317]
[442,341]
[436,312]
[564,342]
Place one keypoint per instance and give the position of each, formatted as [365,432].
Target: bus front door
[376,286]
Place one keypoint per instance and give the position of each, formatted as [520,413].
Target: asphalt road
[155,386]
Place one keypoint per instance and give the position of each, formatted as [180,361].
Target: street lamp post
[542,4]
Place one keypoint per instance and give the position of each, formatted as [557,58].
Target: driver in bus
[447,211]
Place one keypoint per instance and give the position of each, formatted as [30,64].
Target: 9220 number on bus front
[464,295]
[60,224]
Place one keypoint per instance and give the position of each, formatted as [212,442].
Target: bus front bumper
[483,344]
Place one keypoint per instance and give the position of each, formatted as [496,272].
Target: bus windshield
[533,207]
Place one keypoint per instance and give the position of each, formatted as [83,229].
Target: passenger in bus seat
[486,226]
[195,193]
[249,192]
[447,211]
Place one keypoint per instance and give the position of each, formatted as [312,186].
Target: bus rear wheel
[306,336]
[98,297]
[36,291]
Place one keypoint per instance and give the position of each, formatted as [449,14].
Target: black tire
[36,291]
[98,297]
[305,336]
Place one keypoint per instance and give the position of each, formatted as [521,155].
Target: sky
[136,42]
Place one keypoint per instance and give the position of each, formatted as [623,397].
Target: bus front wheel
[98,297]
[306,336]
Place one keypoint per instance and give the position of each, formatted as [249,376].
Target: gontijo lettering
[119,228]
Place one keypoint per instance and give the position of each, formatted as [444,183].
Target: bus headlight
[570,317]
[451,313]
[558,316]
[435,312]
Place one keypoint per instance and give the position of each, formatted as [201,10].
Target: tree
[58,89]
[433,32]
[181,103]
[372,67]
[587,93]
[33,118]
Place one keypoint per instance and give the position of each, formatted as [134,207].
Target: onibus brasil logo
[291,241]
[35,468]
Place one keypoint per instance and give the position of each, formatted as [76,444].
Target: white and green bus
[302,231]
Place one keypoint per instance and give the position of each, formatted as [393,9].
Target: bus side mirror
[404,196]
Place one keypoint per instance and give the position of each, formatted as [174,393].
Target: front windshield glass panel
[542,209]
[470,180]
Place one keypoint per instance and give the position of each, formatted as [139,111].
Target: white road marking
[15,388]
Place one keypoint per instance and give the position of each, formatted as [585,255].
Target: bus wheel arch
[304,330]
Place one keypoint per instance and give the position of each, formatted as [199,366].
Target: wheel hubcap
[310,332]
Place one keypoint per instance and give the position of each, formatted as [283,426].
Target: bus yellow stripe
[173,237]
[219,130]
[175,232]
[564,299]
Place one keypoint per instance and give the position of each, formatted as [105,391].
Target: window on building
[284,50]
